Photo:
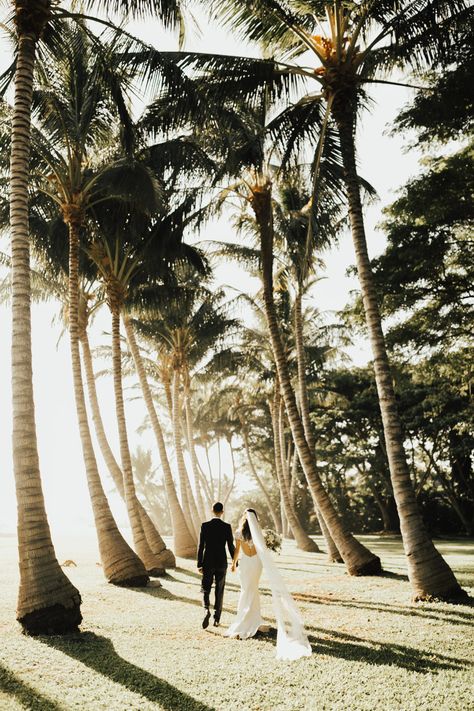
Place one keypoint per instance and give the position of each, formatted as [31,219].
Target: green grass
[145,649]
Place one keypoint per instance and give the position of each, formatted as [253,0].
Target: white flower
[272,539]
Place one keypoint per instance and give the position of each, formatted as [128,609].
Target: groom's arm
[200,554]
[230,541]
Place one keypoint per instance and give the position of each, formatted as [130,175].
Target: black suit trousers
[216,576]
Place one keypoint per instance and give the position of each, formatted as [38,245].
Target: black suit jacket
[215,535]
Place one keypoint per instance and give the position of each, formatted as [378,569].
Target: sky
[383,162]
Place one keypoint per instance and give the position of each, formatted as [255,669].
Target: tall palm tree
[190,322]
[47,600]
[165,557]
[353,46]
[303,541]
[74,105]
[184,544]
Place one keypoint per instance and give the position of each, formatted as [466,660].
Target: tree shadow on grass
[99,654]
[27,696]
[452,617]
[355,649]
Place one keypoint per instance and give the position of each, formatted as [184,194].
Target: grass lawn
[145,649]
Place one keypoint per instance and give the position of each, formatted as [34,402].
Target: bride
[292,642]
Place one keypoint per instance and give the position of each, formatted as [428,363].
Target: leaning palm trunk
[184,543]
[47,600]
[139,539]
[120,564]
[303,541]
[276,518]
[165,557]
[192,453]
[429,573]
[187,499]
[333,553]
[358,559]
[230,488]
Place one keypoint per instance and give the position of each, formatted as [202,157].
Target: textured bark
[47,600]
[165,557]
[184,542]
[187,499]
[333,553]
[358,559]
[429,574]
[119,562]
[303,541]
[139,539]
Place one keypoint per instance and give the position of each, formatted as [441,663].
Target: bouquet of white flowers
[272,539]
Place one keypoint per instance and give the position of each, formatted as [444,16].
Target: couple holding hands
[251,555]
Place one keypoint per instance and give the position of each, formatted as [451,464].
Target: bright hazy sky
[382,162]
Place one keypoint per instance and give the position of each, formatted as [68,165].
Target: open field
[145,649]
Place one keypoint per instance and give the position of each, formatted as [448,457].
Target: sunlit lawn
[145,649]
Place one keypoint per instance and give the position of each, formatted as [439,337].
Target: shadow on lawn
[25,694]
[453,617]
[355,649]
[99,654]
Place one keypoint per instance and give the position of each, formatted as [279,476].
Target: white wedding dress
[248,618]
[292,642]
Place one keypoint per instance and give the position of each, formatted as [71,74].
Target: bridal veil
[292,642]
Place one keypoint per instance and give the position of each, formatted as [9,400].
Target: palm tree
[303,541]
[75,111]
[414,35]
[165,557]
[47,600]
[184,544]
[189,323]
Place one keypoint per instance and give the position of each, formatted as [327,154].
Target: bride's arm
[236,555]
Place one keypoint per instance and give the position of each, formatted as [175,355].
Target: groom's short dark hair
[218,507]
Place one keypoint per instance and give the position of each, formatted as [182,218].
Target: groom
[212,561]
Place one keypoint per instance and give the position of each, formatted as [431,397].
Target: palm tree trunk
[184,543]
[358,559]
[186,494]
[276,518]
[429,573]
[234,472]
[209,469]
[192,453]
[303,541]
[141,545]
[120,564]
[165,556]
[47,600]
[333,554]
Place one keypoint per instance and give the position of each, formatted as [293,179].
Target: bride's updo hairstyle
[244,525]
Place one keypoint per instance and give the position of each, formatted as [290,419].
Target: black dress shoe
[216,623]
[205,622]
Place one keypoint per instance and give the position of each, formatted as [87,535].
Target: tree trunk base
[138,581]
[309,546]
[56,619]
[166,559]
[187,554]
[455,595]
[372,567]
[334,558]
[156,572]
